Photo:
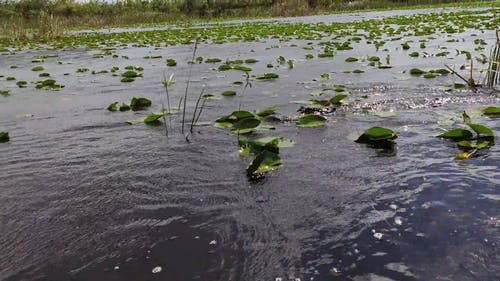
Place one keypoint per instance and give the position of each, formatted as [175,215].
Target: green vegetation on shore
[43,19]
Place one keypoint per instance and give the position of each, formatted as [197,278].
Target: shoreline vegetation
[34,20]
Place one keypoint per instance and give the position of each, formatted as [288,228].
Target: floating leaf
[37,68]
[311,120]
[376,134]
[229,93]
[456,134]
[264,162]
[351,59]
[268,76]
[267,111]
[246,125]
[171,62]
[127,80]
[139,103]
[467,145]
[4,137]
[131,74]
[113,106]
[492,111]
[481,129]
[337,100]
[153,118]
[416,71]
[124,107]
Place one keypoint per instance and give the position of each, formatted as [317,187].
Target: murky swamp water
[85,196]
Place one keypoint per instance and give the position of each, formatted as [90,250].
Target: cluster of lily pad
[135,105]
[465,138]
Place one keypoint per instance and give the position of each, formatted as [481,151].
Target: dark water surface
[85,196]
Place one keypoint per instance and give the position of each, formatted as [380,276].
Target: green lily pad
[416,71]
[376,134]
[131,74]
[456,134]
[268,76]
[113,107]
[337,99]
[124,107]
[267,111]
[264,162]
[229,93]
[311,120]
[127,80]
[37,68]
[139,103]
[245,125]
[154,117]
[171,62]
[492,111]
[481,129]
[351,59]
[4,137]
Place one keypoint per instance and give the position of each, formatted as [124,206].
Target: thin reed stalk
[193,120]
[187,85]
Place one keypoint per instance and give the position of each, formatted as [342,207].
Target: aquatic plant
[139,103]
[493,71]
[492,111]
[375,135]
[4,137]
[171,62]
[268,76]
[22,83]
[465,138]
[229,93]
[113,107]
[310,121]
[5,93]
[37,68]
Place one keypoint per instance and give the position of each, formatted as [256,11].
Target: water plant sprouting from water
[465,138]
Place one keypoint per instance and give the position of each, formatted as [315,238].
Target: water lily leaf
[223,125]
[281,142]
[337,100]
[131,74]
[311,120]
[4,137]
[267,111]
[482,144]
[113,106]
[124,107]
[492,111]
[246,123]
[153,118]
[465,145]
[264,162]
[139,103]
[229,93]
[235,116]
[481,129]
[456,134]
[268,76]
[376,134]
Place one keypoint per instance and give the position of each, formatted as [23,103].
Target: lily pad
[267,111]
[4,137]
[416,71]
[268,76]
[456,134]
[154,117]
[311,120]
[113,107]
[229,93]
[481,130]
[139,103]
[376,134]
[492,111]
[337,99]
[264,162]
